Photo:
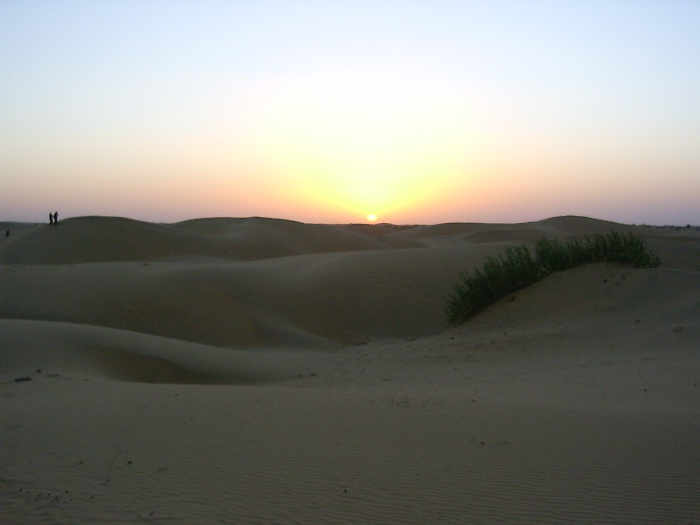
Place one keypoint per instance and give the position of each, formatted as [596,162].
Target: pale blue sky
[328,111]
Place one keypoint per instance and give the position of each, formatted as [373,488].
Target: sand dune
[103,239]
[268,371]
[90,351]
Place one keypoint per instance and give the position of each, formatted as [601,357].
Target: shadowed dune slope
[631,310]
[343,297]
[564,226]
[36,347]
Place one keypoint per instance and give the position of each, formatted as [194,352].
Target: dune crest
[83,240]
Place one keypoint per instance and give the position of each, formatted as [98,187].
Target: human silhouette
[50,218]
[55,218]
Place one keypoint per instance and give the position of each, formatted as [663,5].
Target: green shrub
[502,275]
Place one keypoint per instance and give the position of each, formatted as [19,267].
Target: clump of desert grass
[516,269]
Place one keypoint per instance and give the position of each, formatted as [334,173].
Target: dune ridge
[103,239]
[261,370]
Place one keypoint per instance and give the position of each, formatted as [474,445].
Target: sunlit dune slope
[620,301]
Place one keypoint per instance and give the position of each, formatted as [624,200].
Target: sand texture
[268,371]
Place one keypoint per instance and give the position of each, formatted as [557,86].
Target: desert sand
[268,371]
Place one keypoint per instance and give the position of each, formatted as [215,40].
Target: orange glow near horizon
[356,143]
[332,115]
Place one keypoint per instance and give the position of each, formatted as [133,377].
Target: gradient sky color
[328,111]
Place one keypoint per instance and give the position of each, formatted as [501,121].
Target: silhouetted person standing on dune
[55,218]
[50,218]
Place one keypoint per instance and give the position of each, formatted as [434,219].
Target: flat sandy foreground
[268,371]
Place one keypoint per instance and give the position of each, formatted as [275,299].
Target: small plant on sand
[517,269]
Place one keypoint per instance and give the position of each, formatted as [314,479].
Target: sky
[407,112]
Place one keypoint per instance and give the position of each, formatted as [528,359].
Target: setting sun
[371,217]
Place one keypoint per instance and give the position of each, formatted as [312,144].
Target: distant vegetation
[504,274]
